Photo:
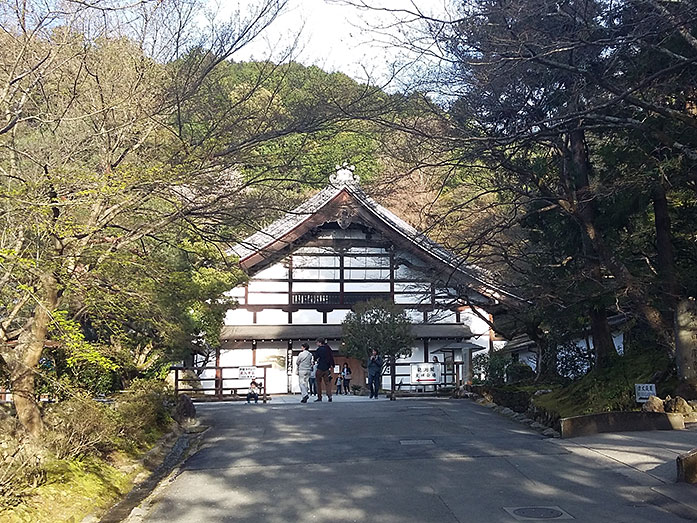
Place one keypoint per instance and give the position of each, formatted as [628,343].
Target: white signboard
[643,391]
[425,373]
[248,373]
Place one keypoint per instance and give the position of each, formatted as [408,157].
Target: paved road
[415,461]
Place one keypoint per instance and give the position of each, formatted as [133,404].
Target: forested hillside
[566,135]
[554,144]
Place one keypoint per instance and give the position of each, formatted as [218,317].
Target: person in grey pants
[303,369]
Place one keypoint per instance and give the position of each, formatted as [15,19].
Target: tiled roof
[345,180]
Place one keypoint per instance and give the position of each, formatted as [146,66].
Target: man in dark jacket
[325,364]
[374,373]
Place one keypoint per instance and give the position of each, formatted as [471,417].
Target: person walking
[374,373]
[325,364]
[346,375]
[313,379]
[303,367]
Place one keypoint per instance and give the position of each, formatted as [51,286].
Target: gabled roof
[327,205]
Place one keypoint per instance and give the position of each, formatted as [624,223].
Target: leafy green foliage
[376,325]
[517,372]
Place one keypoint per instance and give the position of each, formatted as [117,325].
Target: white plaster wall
[278,271]
[336,316]
[441,316]
[421,298]
[316,286]
[366,287]
[238,317]
[268,299]
[268,286]
[272,317]
[415,315]
[307,317]
[479,328]
[237,293]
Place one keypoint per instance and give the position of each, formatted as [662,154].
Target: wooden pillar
[392,273]
[290,290]
[254,353]
[289,367]
[468,369]
[426,354]
[176,381]
[341,278]
[393,377]
[264,387]
[218,375]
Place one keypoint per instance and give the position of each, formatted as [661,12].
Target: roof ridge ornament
[344,175]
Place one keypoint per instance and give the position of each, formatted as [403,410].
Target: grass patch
[610,389]
[74,489]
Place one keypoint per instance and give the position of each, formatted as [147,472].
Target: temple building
[340,247]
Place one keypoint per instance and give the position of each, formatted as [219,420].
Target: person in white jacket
[303,366]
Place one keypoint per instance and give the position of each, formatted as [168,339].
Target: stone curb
[138,512]
[620,422]
[687,466]
[519,417]
[179,445]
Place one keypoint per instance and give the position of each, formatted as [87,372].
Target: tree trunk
[23,359]
[546,369]
[603,345]
[686,340]
[665,263]
[585,209]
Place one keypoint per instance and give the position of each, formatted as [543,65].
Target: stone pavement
[416,460]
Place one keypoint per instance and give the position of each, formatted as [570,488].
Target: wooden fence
[227,382]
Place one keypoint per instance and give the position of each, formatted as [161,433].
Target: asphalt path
[414,460]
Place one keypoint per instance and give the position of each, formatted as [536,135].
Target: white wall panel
[237,292]
[336,316]
[316,286]
[367,287]
[238,317]
[268,286]
[403,272]
[412,298]
[267,299]
[307,317]
[367,274]
[278,272]
[416,316]
[441,316]
[272,317]
[412,287]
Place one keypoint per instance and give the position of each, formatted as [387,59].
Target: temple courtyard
[415,460]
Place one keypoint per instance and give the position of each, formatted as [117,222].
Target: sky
[335,36]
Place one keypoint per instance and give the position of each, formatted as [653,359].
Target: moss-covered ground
[74,489]
[610,389]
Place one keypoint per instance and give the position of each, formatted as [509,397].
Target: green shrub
[79,427]
[144,411]
[21,466]
[496,369]
[518,372]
